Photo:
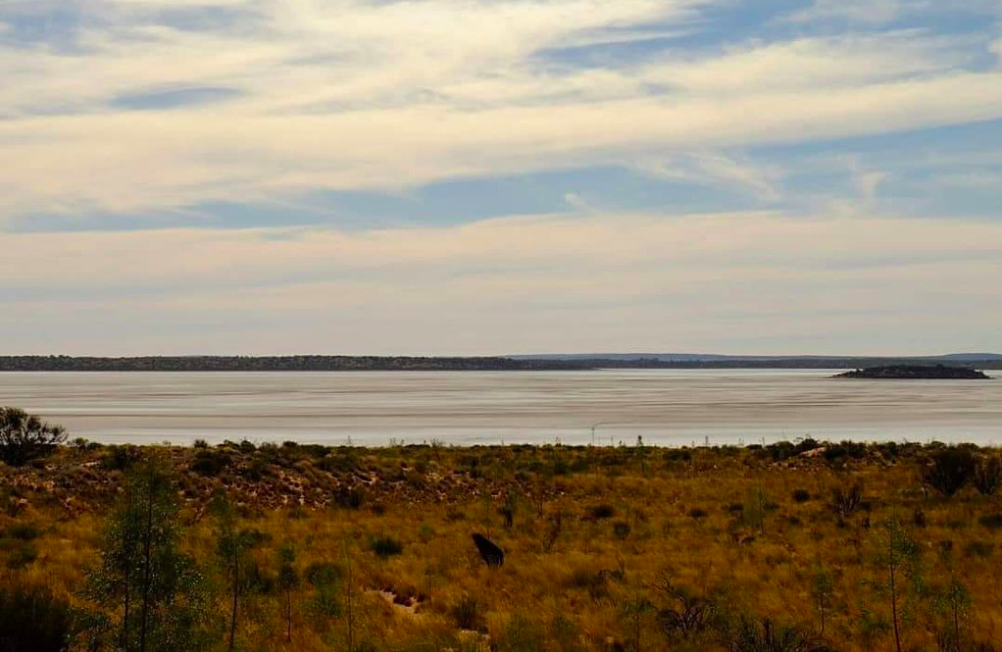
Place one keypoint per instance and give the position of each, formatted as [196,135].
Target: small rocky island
[916,372]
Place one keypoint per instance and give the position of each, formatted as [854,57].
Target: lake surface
[670,407]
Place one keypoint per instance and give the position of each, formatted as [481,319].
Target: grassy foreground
[789,548]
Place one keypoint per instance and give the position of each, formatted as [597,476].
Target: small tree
[25,437]
[897,558]
[953,603]
[822,589]
[634,611]
[755,509]
[509,505]
[288,581]
[232,545]
[151,593]
[846,500]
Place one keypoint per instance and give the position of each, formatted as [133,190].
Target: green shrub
[979,549]
[385,547]
[950,470]
[19,553]
[32,619]
[349,496]
[601,512]
[25,438]
[521,634]
[121,458]
[210,462]
[468,614]
[22,531]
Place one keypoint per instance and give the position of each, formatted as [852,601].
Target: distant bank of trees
[488,363]
[280,363]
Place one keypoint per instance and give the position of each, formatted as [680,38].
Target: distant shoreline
[322,363]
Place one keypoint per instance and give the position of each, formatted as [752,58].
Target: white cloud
[657,282]
[351,94]
[717,168]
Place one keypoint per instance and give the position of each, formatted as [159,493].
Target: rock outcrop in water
[916,372]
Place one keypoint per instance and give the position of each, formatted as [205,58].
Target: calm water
[663,406]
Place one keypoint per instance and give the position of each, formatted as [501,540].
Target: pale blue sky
[503,176]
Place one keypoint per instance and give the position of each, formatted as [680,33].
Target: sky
[500,176]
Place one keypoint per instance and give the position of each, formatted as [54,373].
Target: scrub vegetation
[794,547]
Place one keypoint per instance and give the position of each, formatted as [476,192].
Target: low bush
[468,615]
[600,512]
[32,619]
[385,547]
[950,470]
[25,438]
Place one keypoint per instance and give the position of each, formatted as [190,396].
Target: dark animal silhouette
[492,555]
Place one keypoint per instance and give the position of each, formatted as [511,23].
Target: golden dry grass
[722,524]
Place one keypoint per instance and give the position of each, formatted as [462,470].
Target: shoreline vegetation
[491,363]
[800,546]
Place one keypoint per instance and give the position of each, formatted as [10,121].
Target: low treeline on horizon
[481,363]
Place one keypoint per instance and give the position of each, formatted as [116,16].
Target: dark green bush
[19,553]
[385,547]
[621,529]
[121,458]
[25,438]
[210,462]
[979,549]
[22,531]
[600,512]
[32,619]
[349,496]
[950,470]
